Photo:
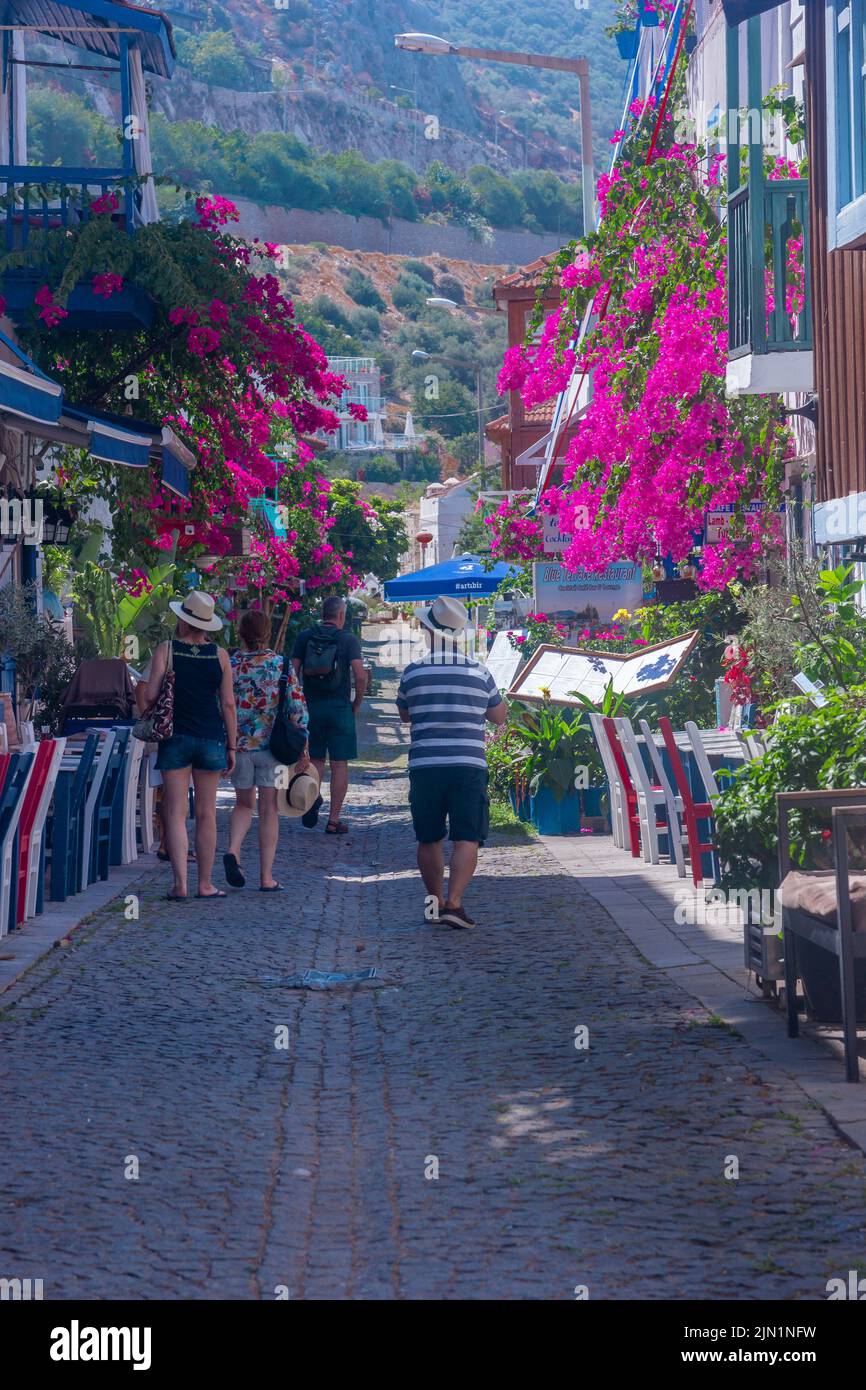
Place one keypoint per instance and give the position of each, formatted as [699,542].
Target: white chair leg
[146,798]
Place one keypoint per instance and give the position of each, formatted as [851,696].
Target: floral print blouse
[256,677]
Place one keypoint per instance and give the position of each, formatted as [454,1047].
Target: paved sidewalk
[156,1143]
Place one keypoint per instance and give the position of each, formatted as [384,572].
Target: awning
[116,439]
[99,28]
[736,11]
[30,396]
[464,577]
[25,390]
[177,463]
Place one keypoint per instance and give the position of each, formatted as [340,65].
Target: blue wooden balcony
[769,274]
[48,196]
[768,259]
[41,199]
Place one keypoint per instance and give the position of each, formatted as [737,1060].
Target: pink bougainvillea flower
[50,313]
[106,203]
[106,285]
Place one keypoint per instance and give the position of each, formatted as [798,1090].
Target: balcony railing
[769,299]
[50,195]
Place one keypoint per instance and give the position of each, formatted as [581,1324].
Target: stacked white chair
[673,801]
[132,772]
[618,810]
[651,800]
[146,798]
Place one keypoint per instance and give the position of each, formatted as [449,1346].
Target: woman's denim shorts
[184,750]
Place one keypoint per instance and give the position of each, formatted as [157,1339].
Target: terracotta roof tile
[528,277]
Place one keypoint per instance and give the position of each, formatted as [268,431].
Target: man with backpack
[326,658]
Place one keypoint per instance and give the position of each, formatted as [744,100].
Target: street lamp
[433,44]
[393,87]
[419,356]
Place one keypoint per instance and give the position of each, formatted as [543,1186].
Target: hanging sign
[720,521]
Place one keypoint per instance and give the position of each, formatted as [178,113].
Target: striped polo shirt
[447,696]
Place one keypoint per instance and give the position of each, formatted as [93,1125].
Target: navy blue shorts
[457,794]
[185,750]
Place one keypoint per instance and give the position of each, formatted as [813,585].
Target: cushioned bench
[824,915]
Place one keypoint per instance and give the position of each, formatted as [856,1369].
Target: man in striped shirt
[445,699]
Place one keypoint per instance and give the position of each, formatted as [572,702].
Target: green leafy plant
[809,749]
[553,748]
[44,658]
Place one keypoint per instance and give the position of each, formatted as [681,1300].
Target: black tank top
[198,676]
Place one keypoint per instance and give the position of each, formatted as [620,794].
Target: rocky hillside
[340,78]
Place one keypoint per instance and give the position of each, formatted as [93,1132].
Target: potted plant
[811,749]
[552,756]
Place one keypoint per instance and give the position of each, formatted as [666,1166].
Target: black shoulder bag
[288,741]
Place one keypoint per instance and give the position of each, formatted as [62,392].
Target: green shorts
[332,730]
[456,792]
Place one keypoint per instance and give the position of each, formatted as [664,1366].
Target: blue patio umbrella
[463,577]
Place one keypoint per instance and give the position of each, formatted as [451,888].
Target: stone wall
[292,226]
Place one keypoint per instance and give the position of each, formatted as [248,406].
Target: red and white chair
[618,817]
[628,793]
[31,847]
[652,798]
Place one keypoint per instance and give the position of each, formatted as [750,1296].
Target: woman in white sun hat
[203,740]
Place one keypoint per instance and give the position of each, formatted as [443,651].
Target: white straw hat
[447,617]
[197,609]
[298,797]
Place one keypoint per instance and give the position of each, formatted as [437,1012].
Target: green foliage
[450,288]
[217,58]
[419,268]
[410,294]
[837,655]
[45,660]
[551,747]
[107,614]
[62,129]
[361,288]
[451,414]
[375,543]
[808,749]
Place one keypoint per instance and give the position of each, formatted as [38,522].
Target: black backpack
[321,664]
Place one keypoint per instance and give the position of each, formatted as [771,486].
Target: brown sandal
[336,828]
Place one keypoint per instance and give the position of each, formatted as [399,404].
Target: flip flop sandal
[277,888]
[233,871]
[340,828]
[177,897]
[162,856]
[209,896]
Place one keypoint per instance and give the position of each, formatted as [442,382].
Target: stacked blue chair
[108,812]
[67,826]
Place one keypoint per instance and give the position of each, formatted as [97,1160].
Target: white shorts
[255,768]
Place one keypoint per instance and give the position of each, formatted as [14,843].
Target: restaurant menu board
[560,674]
[503,659]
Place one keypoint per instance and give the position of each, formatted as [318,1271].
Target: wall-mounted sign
[595,597]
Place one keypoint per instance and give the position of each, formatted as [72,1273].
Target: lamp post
[392,87]
[434,45]
[466,365]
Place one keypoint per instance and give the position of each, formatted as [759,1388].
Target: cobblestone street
[311,1168]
